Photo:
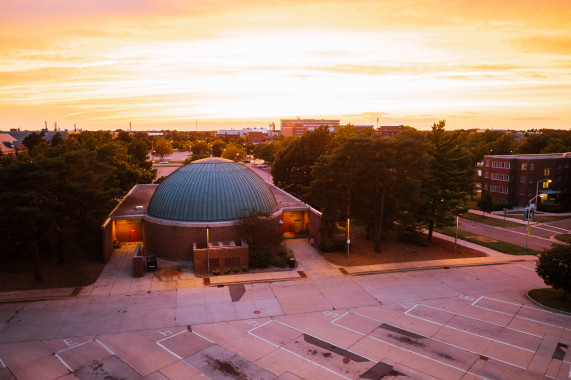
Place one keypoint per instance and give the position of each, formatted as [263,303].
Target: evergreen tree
[448,178]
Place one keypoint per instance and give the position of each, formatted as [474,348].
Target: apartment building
[297,127]
[515,179]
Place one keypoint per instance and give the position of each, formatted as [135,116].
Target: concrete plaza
[454,322]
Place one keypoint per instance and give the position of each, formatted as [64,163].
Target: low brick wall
[138,264]
[220,257]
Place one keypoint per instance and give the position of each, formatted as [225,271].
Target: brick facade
[515,179]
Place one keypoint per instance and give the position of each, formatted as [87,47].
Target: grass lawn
[496,245]
[489,221]
[552,298]
[540,218]
[565,238]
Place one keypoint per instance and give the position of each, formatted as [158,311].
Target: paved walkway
[456,322]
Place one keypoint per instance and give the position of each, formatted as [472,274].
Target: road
[541,235]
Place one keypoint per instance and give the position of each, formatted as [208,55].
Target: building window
[565,178]
[500,177]
[522,178]
[530,179]
[558,177]
[521,191]
[547,171]
[524,166]
[528,191]
[487,163]
[545,184]
[486,175]
[531,166]
[499,164]
[485,186]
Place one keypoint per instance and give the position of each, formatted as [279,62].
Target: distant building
[389,130]
[253,135]
[515,179]
[16,137]
[7,144]
[297,127]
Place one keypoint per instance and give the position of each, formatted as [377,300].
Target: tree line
[54,198]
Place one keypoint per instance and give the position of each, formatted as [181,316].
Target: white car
[262,166]
[163,162]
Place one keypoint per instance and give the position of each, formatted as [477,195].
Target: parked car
[262,166]
[163,162]
[246,161]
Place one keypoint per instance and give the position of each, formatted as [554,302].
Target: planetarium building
[195,212]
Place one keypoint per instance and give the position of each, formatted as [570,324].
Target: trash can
[292,263]
[151,263]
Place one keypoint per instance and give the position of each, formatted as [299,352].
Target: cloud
[547,44]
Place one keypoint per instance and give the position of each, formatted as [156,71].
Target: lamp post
[529,207]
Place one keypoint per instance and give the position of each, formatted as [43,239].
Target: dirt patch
[76,272]
[396,251]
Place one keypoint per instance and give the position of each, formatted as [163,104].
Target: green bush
[215,272]
[235,270]
[245,268]
[554,267]
[225,270]
[281,262]
[260,256]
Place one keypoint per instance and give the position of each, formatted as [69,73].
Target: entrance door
[133,233]
[286,225]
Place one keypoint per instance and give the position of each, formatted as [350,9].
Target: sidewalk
[116,278]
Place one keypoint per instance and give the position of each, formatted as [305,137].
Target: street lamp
[535,210]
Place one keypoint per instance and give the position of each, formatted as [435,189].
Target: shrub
[281,261]
[225,270]
[215,272]
[235,270]
[260,256]
[245,268]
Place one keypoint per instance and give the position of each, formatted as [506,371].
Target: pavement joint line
[295,354]
[523,266]
[105,347]
[470,333]
[63,362]
[518,316]
[465,349]
[171,336]
[169,351]
[3,365]
[326,341]
[406,349]
[480,320]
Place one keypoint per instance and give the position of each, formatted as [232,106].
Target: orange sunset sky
[230,63]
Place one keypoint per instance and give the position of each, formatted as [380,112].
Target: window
[522,178]
[487,163]
[530,179]
[531,166]
[499,164]
[500,177]
[547,171]
[528,191]
[558,177]
[565,178]
[486,175]
[524,166]
[521,191]
[485,186]
[545,184]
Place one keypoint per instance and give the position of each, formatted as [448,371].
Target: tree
[200,148]
[486,204]
[234,152]
[162,148]
[292,166]
[56,139]
[33,139]
[217,147]
[266,152]
[554,267]
[447,180]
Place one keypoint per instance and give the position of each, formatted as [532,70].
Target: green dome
[211,190]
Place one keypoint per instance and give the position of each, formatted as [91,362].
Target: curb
[302,276]
[73,294]
[411,269]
